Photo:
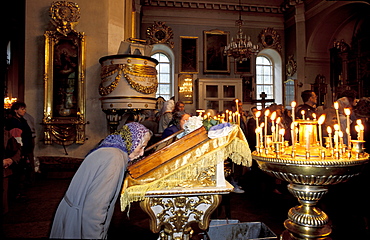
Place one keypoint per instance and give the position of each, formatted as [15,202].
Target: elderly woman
[87,207]
[177,123]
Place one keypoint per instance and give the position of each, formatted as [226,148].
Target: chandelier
[242,47]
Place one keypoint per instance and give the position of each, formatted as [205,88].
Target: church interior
[67,60]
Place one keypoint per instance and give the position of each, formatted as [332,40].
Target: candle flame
[336,105]
[262,125]
[321,119]
[303,112]
[258,114]
[267,112]
[273,116]
[336,127]
[357,128]
[292,125]
[347,111]
[340,134]
[278,120]
[359,122]
[329,129]
[293,104]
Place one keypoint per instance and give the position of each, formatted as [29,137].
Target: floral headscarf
[127,138]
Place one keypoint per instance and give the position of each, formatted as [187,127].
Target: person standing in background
[11,157]
[18,127]
[309,99]
[166,115]
[31,123]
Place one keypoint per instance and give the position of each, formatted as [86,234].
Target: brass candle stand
[310,167]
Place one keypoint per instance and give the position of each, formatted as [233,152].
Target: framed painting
[214,60]
[243,67]
[189,55]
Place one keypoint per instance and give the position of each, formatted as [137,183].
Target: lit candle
[336,106]
[336,136]
[357,127]
[314,116]
[257,137]
[362,132]
[277,126]
[347,111]
[267,112]
[302,113]
[272,117]
[320,122]
[227,115]
[328,129]
[293,104]
[237,105]
[261,137]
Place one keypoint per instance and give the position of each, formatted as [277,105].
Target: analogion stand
[172,212]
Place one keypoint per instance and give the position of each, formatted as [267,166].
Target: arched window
[165,81]
[264,78]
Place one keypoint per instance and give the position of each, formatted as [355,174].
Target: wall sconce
[186,88]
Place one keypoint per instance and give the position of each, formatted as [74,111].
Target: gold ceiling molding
[215,6]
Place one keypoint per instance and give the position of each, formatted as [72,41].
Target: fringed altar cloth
[191,168]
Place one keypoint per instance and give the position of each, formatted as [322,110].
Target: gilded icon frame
[64,127]
[214,60]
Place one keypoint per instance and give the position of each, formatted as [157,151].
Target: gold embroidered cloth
[188,166]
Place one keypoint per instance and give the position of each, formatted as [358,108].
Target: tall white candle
[273,133]
[278,120]
[302,113]
[320,122]
[267,113]
[336,106]
[293,104]
[336,136]
[347,111]
[328,129]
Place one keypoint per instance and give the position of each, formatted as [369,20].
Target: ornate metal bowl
[309,180]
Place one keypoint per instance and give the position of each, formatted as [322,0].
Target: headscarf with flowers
[126,139]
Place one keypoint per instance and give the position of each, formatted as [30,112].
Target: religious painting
[214,60]
[243,66]
[189,55]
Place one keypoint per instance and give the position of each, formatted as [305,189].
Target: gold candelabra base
[309,180]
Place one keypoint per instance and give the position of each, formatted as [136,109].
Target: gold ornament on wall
[291,66]
[64,16]
[269,38]
[160,33]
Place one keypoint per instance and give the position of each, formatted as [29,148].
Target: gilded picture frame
[214,60]
[64,88]
[189,55]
